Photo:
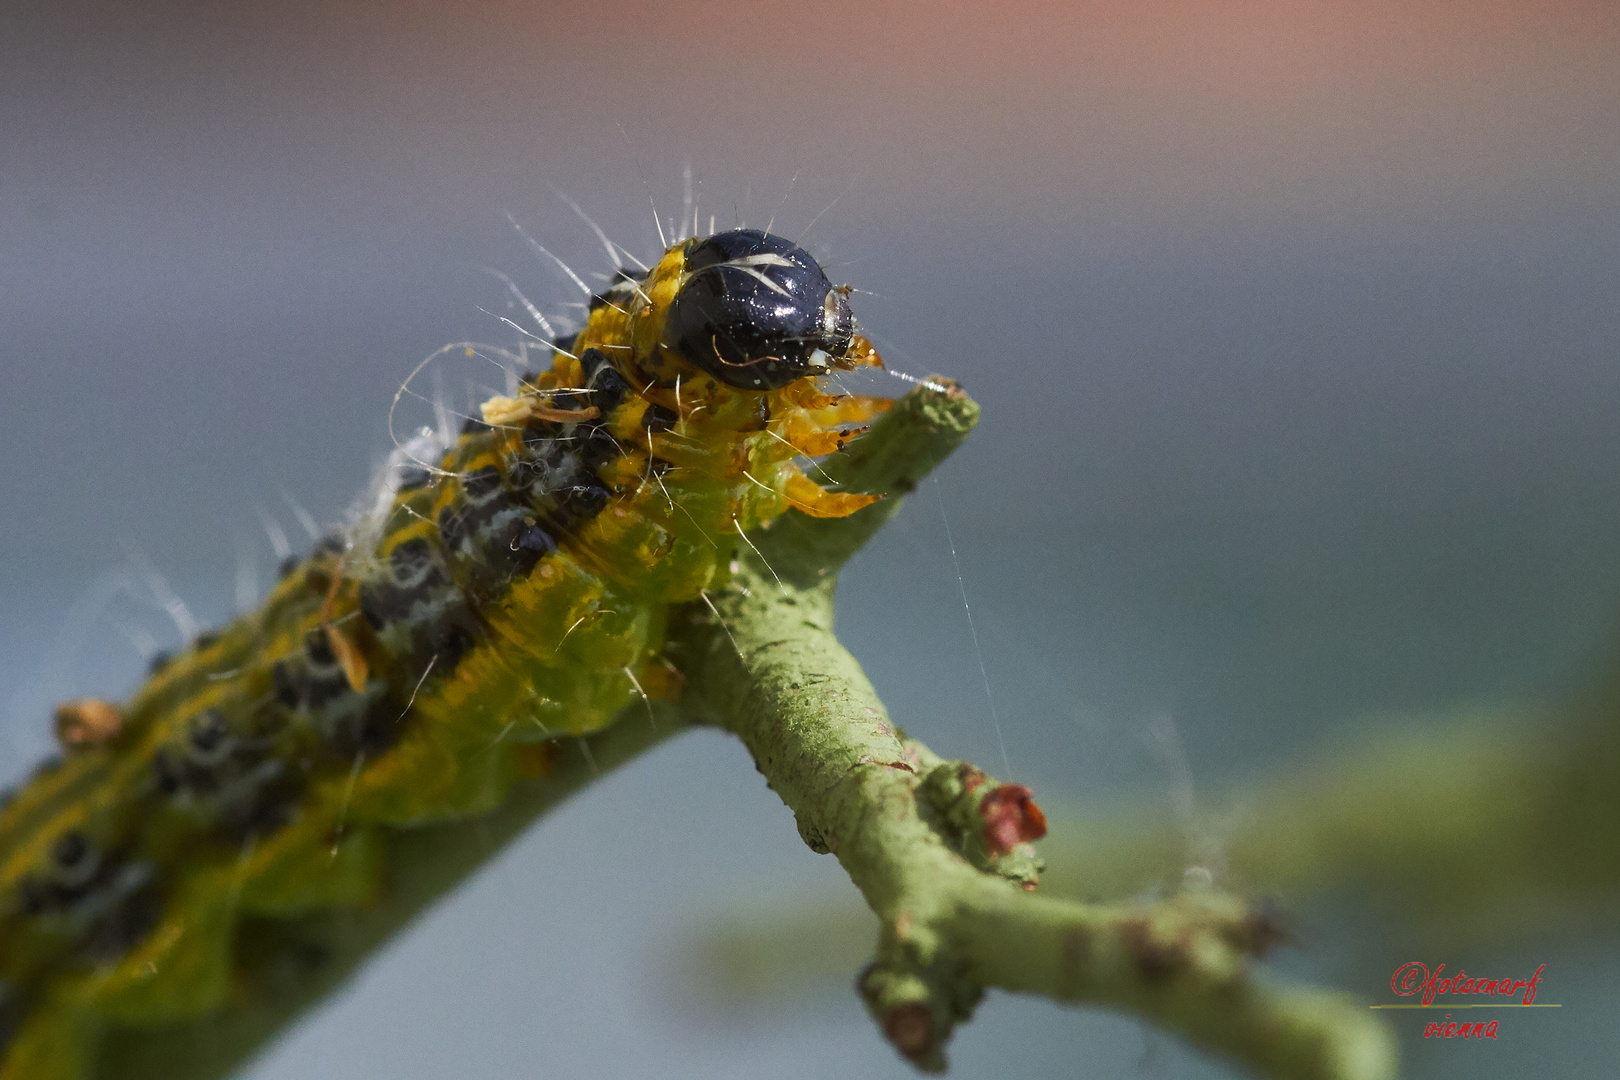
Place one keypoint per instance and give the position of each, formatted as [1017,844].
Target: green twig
[953,898]
[1463,831]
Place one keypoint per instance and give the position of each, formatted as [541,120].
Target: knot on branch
[990,824]
[1204,937]
[915,994]
[1265,926]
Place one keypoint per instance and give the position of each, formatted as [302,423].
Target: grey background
[1294,326]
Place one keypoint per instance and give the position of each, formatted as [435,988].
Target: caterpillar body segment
[510,587]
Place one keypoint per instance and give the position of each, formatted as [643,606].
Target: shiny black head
[756,311]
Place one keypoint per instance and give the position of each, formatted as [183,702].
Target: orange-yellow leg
[349,656]
[862,353]
[812,428]
[810,438]
[805,494]
[850,409]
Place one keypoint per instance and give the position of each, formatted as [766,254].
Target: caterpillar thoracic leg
[806,495]
[849,409]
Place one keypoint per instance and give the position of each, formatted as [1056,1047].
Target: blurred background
[1294,324]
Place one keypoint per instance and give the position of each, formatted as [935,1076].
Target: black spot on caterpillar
[509,585]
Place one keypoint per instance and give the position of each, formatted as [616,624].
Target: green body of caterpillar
[508,588]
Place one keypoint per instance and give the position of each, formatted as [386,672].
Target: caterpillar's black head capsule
[756,311]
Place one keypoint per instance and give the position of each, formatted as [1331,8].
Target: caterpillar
[509,585]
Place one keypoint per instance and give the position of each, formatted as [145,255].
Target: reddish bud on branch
[1011,817]
[911,1029]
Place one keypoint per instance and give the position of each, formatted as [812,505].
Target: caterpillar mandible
[509,585]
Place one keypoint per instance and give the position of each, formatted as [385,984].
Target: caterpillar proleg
[509,586]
